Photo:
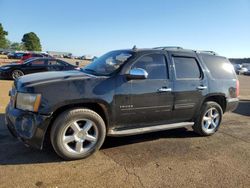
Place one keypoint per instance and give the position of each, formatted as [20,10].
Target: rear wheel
[16,74]
[77,133]
[208,122]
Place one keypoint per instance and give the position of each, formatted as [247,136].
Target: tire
[209,120]
[77,133]
[16,74]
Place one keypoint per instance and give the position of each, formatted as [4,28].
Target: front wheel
[16,74]
[77,133]
[208,122]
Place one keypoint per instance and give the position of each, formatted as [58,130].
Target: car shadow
[13,151]
[243,108]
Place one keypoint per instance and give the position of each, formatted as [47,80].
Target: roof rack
[168,47]
[209,52]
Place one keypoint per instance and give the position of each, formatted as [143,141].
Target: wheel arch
[97,107]
[218,98]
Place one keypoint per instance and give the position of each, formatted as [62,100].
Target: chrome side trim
[184,106]
[147,107]
[141,130]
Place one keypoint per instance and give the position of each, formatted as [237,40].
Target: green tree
[17,46]
[3,40]
[31,42]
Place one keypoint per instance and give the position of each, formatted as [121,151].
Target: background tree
[17,46]
[3,40]
[31,42]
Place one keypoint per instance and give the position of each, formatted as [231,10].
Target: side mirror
[137,74]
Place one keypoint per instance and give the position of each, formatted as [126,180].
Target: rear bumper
[27,126]
[232,104]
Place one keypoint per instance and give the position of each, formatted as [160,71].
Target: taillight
[237,88]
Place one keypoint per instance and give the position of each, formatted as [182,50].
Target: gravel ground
[175,158]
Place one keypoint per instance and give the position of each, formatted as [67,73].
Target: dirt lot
[176,158]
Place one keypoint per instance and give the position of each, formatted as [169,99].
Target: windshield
[108,63]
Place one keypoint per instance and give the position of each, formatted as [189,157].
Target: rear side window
[219,67]
[154,64]
[186,68]
[55,63]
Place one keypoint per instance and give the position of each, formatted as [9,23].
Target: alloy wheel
[16,74]
[80,136]
[211,120]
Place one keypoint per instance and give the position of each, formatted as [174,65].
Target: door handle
[201,87]
[164,89]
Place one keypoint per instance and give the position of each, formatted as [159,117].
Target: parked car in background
[246,68]
[237,68]
[87,57]
[34,65]
[32,55]
[16,55]
[243,70]
[124,92]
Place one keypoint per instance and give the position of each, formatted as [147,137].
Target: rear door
[190,84]
[55,65]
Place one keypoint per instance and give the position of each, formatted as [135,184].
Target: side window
[219,67]
[154,64]
[55,63]
[61,63]
[38,62]
[186,68]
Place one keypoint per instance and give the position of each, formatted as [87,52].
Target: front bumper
[232,104]
[29,127]
[4,74]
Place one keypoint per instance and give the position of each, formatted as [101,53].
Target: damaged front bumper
[29,127]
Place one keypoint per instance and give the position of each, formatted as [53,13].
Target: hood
[48,77]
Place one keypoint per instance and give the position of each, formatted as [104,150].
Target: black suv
[124,92]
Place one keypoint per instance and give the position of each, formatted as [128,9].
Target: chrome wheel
[16,74]
[80,136]
[210,120]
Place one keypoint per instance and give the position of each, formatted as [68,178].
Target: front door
[146,101]
[37,65]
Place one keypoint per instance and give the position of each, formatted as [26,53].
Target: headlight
[28,101]
[4,68]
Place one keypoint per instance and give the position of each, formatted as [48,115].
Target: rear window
[219,67]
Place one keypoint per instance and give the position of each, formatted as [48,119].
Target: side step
[141,130]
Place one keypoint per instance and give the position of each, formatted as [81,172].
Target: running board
[141,130]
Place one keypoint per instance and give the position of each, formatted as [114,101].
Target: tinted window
[38,62]
[154,64]
[219,67]
[186,68]
[55,62]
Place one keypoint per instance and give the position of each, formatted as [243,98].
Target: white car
[243,70]
[88,57]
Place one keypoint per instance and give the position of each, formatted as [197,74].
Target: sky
[97,26]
